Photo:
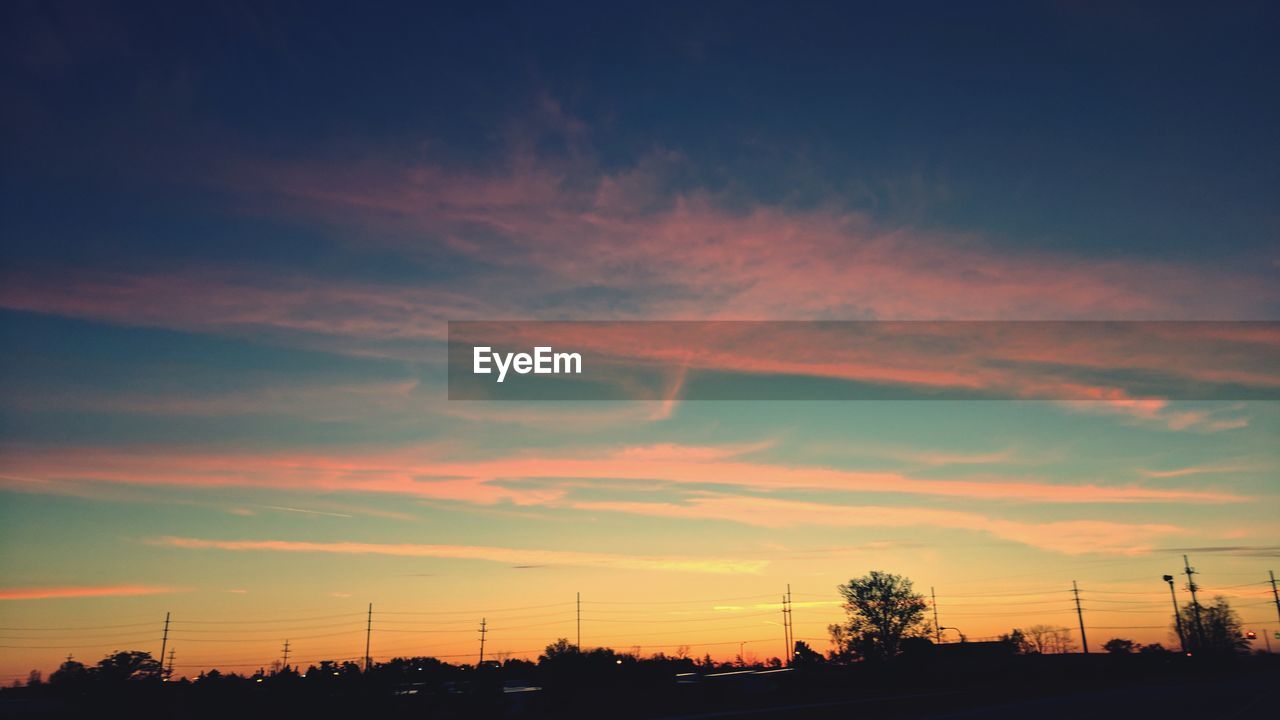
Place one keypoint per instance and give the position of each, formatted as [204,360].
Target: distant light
[619,661]
[259,679]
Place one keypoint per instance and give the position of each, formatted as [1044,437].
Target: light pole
[1177,616]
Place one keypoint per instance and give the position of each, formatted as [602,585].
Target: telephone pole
[937,629]
[786,633]
[1084,642]
[789,626]
[169,673]
[1177,615]
[164,643]
[579,645]
[483,631]
[368,635]
[284,663]
[1195,604]
[1274,594]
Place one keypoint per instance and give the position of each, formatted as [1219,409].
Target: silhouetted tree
[1048,639]
[882,608]
[1118,646]
[805,655]
[70,674]
[559,649]
[1017,641]
[1222,629]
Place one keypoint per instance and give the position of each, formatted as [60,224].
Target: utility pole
[579,646]
[937,629]
[786,633]
[368,635]
[483,631]
[791,628]
[284,663]
[1177,616]
[1195,604]
[1084,642]
[164,643]
[169,673]
[1274,594]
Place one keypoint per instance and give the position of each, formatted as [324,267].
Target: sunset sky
[233,237]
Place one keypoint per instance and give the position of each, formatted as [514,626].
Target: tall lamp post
[1177,616]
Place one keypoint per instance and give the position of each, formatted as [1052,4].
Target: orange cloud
[424,473]
[81,591]
[511,556]
[1072,537]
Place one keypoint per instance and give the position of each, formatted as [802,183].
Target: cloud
[82,591]
[555,222]
[427,473]
[562,237]
[1163,413]
[1268,551]
[507,556]
[1200,470]
[1070,537]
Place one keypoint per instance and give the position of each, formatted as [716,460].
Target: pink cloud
[511,556]
[1201,470]
[546,227]
[762,262]
[1071,537]
[429,473]
[81,591]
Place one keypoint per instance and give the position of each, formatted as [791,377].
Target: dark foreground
[1060,686]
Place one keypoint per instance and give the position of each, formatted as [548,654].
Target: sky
[233,237]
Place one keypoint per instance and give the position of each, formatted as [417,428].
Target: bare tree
[1040,637]
[1060,641]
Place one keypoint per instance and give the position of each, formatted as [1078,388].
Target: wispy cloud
[81,591]
[505,555]
[1263,551]
[1070,537]
[1199,470]
[426,473]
